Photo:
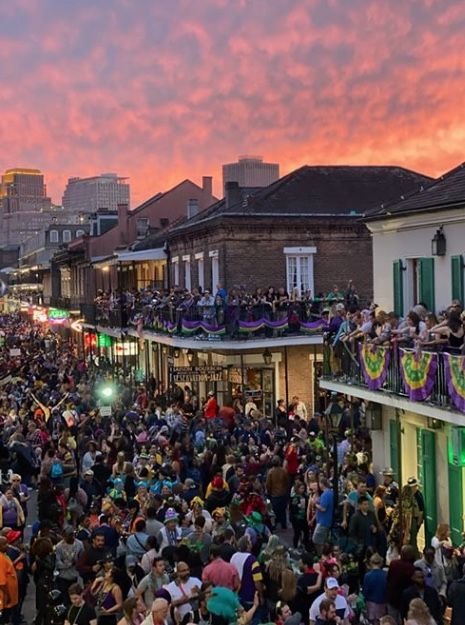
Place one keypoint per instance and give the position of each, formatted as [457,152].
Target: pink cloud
[173,90]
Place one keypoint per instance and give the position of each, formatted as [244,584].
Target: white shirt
[184,589]
[341,604]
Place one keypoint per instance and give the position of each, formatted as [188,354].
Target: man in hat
[392,487]
[419,511]
[210,408]
[332,593]
[171,534]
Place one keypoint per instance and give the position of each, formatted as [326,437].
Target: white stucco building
[418,252]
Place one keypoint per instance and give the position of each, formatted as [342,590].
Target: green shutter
[426,282]
[398,287]
[457,277]
[456,503]
[426,460]
[394,441]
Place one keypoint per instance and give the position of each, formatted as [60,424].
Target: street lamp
[333,418]
[267,357]
[176,352]
[190,356]
[438,243]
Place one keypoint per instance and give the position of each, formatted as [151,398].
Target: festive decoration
[313,326]
[375,363]
[455,378]
[418,373]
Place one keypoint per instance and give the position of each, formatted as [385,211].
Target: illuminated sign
[104,340]
[56,316]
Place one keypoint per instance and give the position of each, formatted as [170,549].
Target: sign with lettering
[197,374]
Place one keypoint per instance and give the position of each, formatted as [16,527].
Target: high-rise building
[88,195]
[250,171]
[24,205]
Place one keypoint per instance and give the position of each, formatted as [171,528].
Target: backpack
[56,470]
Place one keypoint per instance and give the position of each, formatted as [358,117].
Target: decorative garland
[374,361]
[455,378]
[418,373]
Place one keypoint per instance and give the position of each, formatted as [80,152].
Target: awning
[103,261]
[141,255]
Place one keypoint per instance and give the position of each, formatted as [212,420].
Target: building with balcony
[299,233]
[416,396]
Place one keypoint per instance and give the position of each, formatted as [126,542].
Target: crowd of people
[219,308]
[420,329]
[175,510]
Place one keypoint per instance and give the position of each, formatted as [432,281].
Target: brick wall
[251,252]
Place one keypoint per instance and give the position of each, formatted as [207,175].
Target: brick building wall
[251,252]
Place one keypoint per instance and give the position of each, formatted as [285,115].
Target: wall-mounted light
[438,243]
[267,357]
[190,356]
[176,352]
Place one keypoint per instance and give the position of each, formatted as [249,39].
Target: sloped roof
[446,191]
[341,190]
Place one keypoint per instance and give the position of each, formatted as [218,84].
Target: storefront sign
[234,375]
[56,316]
[126,349]
[257,394]
[104,340]
[196,374]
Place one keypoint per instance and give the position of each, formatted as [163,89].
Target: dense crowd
[176,510]
[220,307]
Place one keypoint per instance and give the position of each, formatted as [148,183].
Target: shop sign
[256,394]
[196,374]
[104,340]
[234,375]
[56,316]
[126,349]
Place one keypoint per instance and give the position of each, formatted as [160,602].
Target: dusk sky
[162,90]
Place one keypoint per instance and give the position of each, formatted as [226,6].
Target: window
[457,277]
[66,236]
[175,264]
[200,269]
[215,270]
[80,233]
[299,269]
[187,273]
[54,236]
[419,283]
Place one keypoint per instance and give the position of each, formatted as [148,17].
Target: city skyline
[175,90]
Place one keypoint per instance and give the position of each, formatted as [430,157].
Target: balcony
[427,379]
[241,323]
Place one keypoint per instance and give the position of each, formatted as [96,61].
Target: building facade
[88,195]
[418,252]
[250,171]
[24,205]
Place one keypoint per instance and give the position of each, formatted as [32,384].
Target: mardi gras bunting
[455,378]
[375,362]
[418,371]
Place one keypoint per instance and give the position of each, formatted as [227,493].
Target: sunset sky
[161,90]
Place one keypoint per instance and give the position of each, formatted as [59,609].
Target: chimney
[123,223]
[192,207]
[233,194]
[207,184]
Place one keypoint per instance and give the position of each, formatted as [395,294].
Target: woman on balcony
[451,331]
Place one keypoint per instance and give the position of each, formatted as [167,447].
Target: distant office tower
[88,195]
[24,205]
[250,171]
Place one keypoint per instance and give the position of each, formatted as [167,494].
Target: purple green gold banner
[455,379]
[418,371]
[374,361]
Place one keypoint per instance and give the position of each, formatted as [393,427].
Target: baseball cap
[331,582]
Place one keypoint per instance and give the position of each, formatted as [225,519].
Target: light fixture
[374,416]
[176,352]
[438,243]
[333,414]
[267,357]
[190,356]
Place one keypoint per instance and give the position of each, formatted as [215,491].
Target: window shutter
[426,282]
[398,287]
[457,277]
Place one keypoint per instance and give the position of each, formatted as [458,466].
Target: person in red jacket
[210,408]
[291,460]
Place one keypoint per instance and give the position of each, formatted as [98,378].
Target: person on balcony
[451,332]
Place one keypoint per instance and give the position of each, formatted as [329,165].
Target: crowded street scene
[232,312]
[175,509]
